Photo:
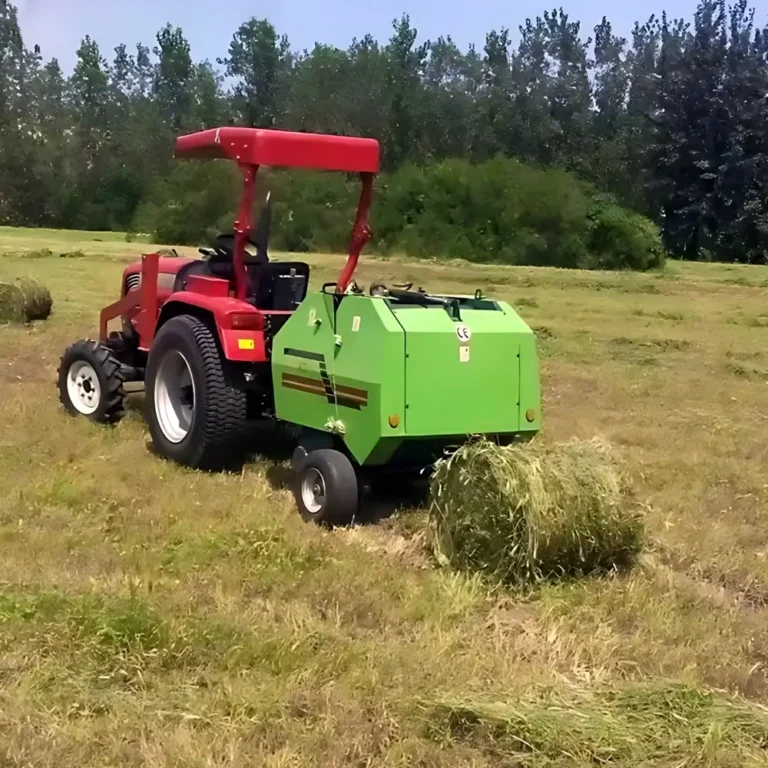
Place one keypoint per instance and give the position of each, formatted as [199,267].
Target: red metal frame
[142,302]
[254,147]
[243,229]
[208,286]
[361,233]
[287,149]
[243,339]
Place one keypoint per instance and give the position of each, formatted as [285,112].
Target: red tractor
[370,384]
[199,332]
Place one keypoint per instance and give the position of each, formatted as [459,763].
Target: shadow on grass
[382,496]
[260,441]
[383,493]
[386,497]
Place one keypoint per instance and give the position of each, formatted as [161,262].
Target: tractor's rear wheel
[326,488]
[194,415]
[91,382]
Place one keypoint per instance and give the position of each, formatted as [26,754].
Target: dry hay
[40,253]
[24,300]
[47,253]
[525,513]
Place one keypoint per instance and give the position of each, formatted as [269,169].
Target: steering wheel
[225,252]
[378,289]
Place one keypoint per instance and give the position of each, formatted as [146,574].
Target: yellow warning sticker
[246,344]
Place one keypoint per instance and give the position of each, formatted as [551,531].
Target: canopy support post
[361,233]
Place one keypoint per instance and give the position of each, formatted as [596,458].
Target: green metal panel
[366,364]
[371,356]
[344,375]
[530,386]
[462,377]
[299,391]
[530,377]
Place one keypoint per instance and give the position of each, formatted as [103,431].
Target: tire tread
[98,353]
[341,485]
[225,406]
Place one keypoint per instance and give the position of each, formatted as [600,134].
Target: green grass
[641,724]
[154,616]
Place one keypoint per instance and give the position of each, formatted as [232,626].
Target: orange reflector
[394,421]
[530,415]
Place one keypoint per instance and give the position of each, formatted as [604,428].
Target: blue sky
[58,25]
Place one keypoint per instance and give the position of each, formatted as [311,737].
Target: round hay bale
[24,300]
[11,303]
[521,514]
[38,302]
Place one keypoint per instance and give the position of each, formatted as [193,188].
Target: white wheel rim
[313,491]
[175,397]
[83,387]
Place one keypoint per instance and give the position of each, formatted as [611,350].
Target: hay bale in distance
[38,302]
[24,300]
[40,253]
[11,303]
[529,512]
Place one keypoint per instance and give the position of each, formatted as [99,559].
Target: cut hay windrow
[521,514]
[23,301]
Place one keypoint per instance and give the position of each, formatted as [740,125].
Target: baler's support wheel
[326,488]
[91,382]
[193,413]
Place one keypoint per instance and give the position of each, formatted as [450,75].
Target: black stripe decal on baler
[329,393]
[318,358]
[349,397]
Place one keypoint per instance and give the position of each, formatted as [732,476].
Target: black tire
[218,410]
[107,395]
[340,500]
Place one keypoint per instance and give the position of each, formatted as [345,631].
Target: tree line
[669,126]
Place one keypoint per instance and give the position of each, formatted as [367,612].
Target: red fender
[240,325]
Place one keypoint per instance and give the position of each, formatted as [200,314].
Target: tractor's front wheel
[91,382]
[193,414]
[326,488]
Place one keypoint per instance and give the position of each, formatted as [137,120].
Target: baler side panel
[344,374]
[302,355]
[530,383]
[370,359]
[458,387]
[530,387]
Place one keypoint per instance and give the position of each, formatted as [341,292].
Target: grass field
[155,616]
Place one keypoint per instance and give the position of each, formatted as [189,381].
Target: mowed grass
[154,616]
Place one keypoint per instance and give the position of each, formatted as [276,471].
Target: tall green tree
[174,76]
[318,99]
[692,128]
[258,59]
[406,62]
[611,80]
[17,135]
[672,122]
[571,96]
[451,80]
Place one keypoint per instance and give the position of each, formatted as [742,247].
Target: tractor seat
[218,262]
[198,267]
[279,286]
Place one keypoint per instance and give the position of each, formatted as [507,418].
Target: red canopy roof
[258,146]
